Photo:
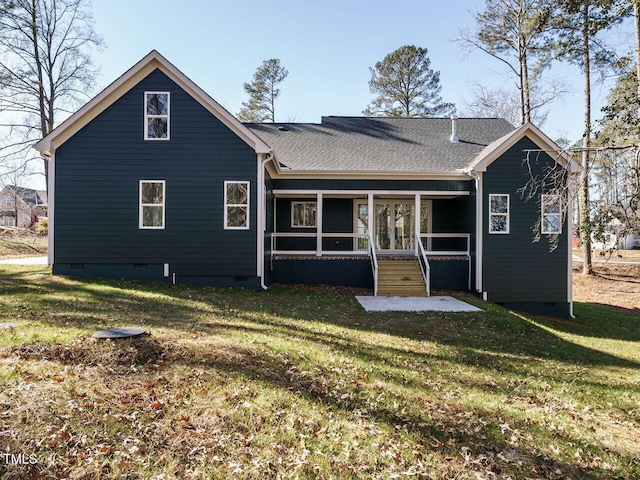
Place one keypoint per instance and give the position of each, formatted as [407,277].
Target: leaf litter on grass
[301,384]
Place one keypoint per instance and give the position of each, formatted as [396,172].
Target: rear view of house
[153,179]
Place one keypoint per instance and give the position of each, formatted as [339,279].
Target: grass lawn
[305,384]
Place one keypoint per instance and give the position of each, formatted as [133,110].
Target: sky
[327,46]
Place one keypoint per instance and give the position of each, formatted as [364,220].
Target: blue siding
[517,270]
[97,186]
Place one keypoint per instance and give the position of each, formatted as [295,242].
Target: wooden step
[400,278]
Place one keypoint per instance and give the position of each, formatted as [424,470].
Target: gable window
[156,115]
[303,214]
[152,199]
[551,214]
[498,213]
[236,205]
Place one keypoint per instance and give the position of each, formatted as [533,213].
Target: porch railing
[374,265]
[424,264]
[332,243]
[346,243]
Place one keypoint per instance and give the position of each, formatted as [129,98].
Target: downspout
[50,158]
[478,262]
[262,217]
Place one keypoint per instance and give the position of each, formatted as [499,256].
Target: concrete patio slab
[415,304]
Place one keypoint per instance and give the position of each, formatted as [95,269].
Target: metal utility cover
[122,332]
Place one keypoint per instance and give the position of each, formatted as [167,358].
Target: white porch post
[416,223]
[370,217]
[319,225]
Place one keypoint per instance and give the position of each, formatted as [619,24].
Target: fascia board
[496,149]
[369,174]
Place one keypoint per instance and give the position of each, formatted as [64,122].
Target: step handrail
[374,264]
[425,268]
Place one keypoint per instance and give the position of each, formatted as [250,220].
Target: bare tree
[579,25]
[514,32]
[503,102]
[46,68]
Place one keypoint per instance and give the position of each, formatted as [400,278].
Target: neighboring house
[153,179]
[22,207]
[614,238]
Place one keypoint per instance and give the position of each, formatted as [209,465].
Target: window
[498,213]
[8,222]
[551,214]
[152,198]
[236,205]
[156,115]
[303,214]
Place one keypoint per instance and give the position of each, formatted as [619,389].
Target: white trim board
[364,193]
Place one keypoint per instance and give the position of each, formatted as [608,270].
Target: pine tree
[263,93]
[406,86]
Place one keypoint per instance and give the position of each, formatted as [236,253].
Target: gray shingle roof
[379,144]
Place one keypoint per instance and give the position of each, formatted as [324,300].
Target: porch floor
[415,304]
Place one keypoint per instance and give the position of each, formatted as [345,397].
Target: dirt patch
[613,284]
[16,243]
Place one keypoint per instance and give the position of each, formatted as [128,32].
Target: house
[153,179]
[616,236]
[22,207]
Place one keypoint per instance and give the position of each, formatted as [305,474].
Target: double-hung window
[152,199]
[498,213]
[156,115]
[551,214]
[236,205]
[303,214]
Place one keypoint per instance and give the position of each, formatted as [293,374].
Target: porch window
[498,213]
[551,214]
[303,214]
[152,198]
[156,115]
[236,205]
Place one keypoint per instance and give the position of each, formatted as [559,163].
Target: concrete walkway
[25,261]
[415,304]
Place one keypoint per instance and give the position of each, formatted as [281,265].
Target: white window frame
[315,218]
[228,205]
[8,221]
[546,200]
[142,205]
[147,116]
[497,214]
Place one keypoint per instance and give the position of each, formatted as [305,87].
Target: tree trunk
[41,95]
[584,212]
[521,86]
[636,16]
[527,91]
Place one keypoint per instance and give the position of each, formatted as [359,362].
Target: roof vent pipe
[454,129]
